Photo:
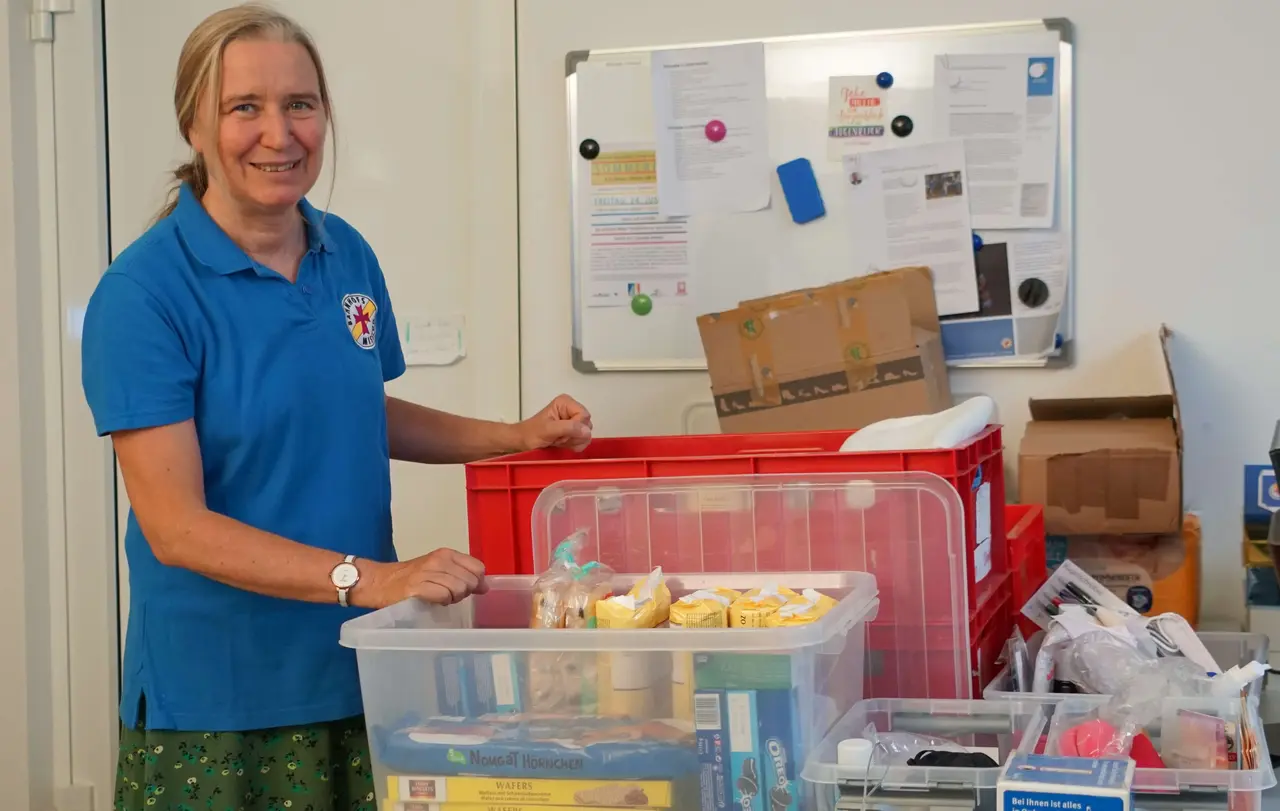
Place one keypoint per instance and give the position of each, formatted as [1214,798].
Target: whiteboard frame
[1062,357]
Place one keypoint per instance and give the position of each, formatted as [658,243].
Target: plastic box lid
[846,522]
[498,621]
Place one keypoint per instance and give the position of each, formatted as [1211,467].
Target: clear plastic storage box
[907,529]
[1175,734]
[467,704]
[896,727]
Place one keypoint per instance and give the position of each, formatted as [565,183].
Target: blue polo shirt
[285,384]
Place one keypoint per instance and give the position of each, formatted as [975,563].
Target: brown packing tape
[755,343]
[1116,481]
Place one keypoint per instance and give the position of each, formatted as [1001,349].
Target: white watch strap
[342,593]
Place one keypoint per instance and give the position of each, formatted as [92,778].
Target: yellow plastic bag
[705,608]
[809,606]
[753,608]
[646,605]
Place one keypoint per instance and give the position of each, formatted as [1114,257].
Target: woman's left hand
[564,423]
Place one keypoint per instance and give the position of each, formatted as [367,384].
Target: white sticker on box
[982,532]
[723,499]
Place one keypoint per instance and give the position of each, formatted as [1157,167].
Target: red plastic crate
[1028,558]
[501,492]
[990,624]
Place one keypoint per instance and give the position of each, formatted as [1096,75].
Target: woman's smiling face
[270,125]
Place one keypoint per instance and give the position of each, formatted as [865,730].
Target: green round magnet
[641,304]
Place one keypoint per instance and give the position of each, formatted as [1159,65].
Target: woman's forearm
[243,557]
[419,434]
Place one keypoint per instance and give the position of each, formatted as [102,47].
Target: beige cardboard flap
[1052,438]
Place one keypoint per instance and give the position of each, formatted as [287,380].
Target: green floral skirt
[324,767]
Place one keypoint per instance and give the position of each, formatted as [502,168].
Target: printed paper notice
[1022,281]
[910,206]
[1006,110]
[856,115]
[694,87]
[429,340]
[629,247]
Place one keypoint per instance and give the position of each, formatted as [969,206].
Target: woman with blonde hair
[236,353]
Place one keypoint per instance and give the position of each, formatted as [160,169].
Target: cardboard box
[1105,465]
[829,358]
[1152,574]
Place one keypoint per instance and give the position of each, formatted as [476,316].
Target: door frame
[83,514]
[85,635]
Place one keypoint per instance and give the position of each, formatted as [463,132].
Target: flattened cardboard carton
[835,357]
[1105,465]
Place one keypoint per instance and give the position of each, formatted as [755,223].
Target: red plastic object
[990,625]
[501,492]
[1028,558]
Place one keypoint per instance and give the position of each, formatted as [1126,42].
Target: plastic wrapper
[1138,683]
[646,605]
[753,608]
[567,593]
[810,606]
[705,608]
[897,748]
[1197,740]
[1017,658]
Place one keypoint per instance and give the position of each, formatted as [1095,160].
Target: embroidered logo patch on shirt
[361,315]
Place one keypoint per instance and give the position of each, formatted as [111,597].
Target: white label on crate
[723,499]
[982,532]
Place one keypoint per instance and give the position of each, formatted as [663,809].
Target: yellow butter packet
[705,608]
[751,609]
[646,605]
[809,606]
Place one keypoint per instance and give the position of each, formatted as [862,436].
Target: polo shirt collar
[217,251]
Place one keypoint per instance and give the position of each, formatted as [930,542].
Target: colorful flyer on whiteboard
[856,115]
[626,246]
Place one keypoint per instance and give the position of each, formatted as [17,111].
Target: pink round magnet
[715,130]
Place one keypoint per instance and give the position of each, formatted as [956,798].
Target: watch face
[345,575]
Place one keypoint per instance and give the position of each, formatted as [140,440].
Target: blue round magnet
[884,80]
[977,241]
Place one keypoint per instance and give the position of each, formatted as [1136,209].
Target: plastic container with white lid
[1227,648]
[441,683]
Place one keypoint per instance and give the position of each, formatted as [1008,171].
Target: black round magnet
[902,126]
[589,149]
[1033,292]
[884,80]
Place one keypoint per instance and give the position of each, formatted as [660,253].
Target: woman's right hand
[442,577]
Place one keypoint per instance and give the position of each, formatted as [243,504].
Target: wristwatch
[344,576]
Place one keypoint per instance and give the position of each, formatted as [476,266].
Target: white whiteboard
[741,256]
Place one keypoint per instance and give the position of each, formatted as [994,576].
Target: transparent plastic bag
[897,748]
[566,594]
